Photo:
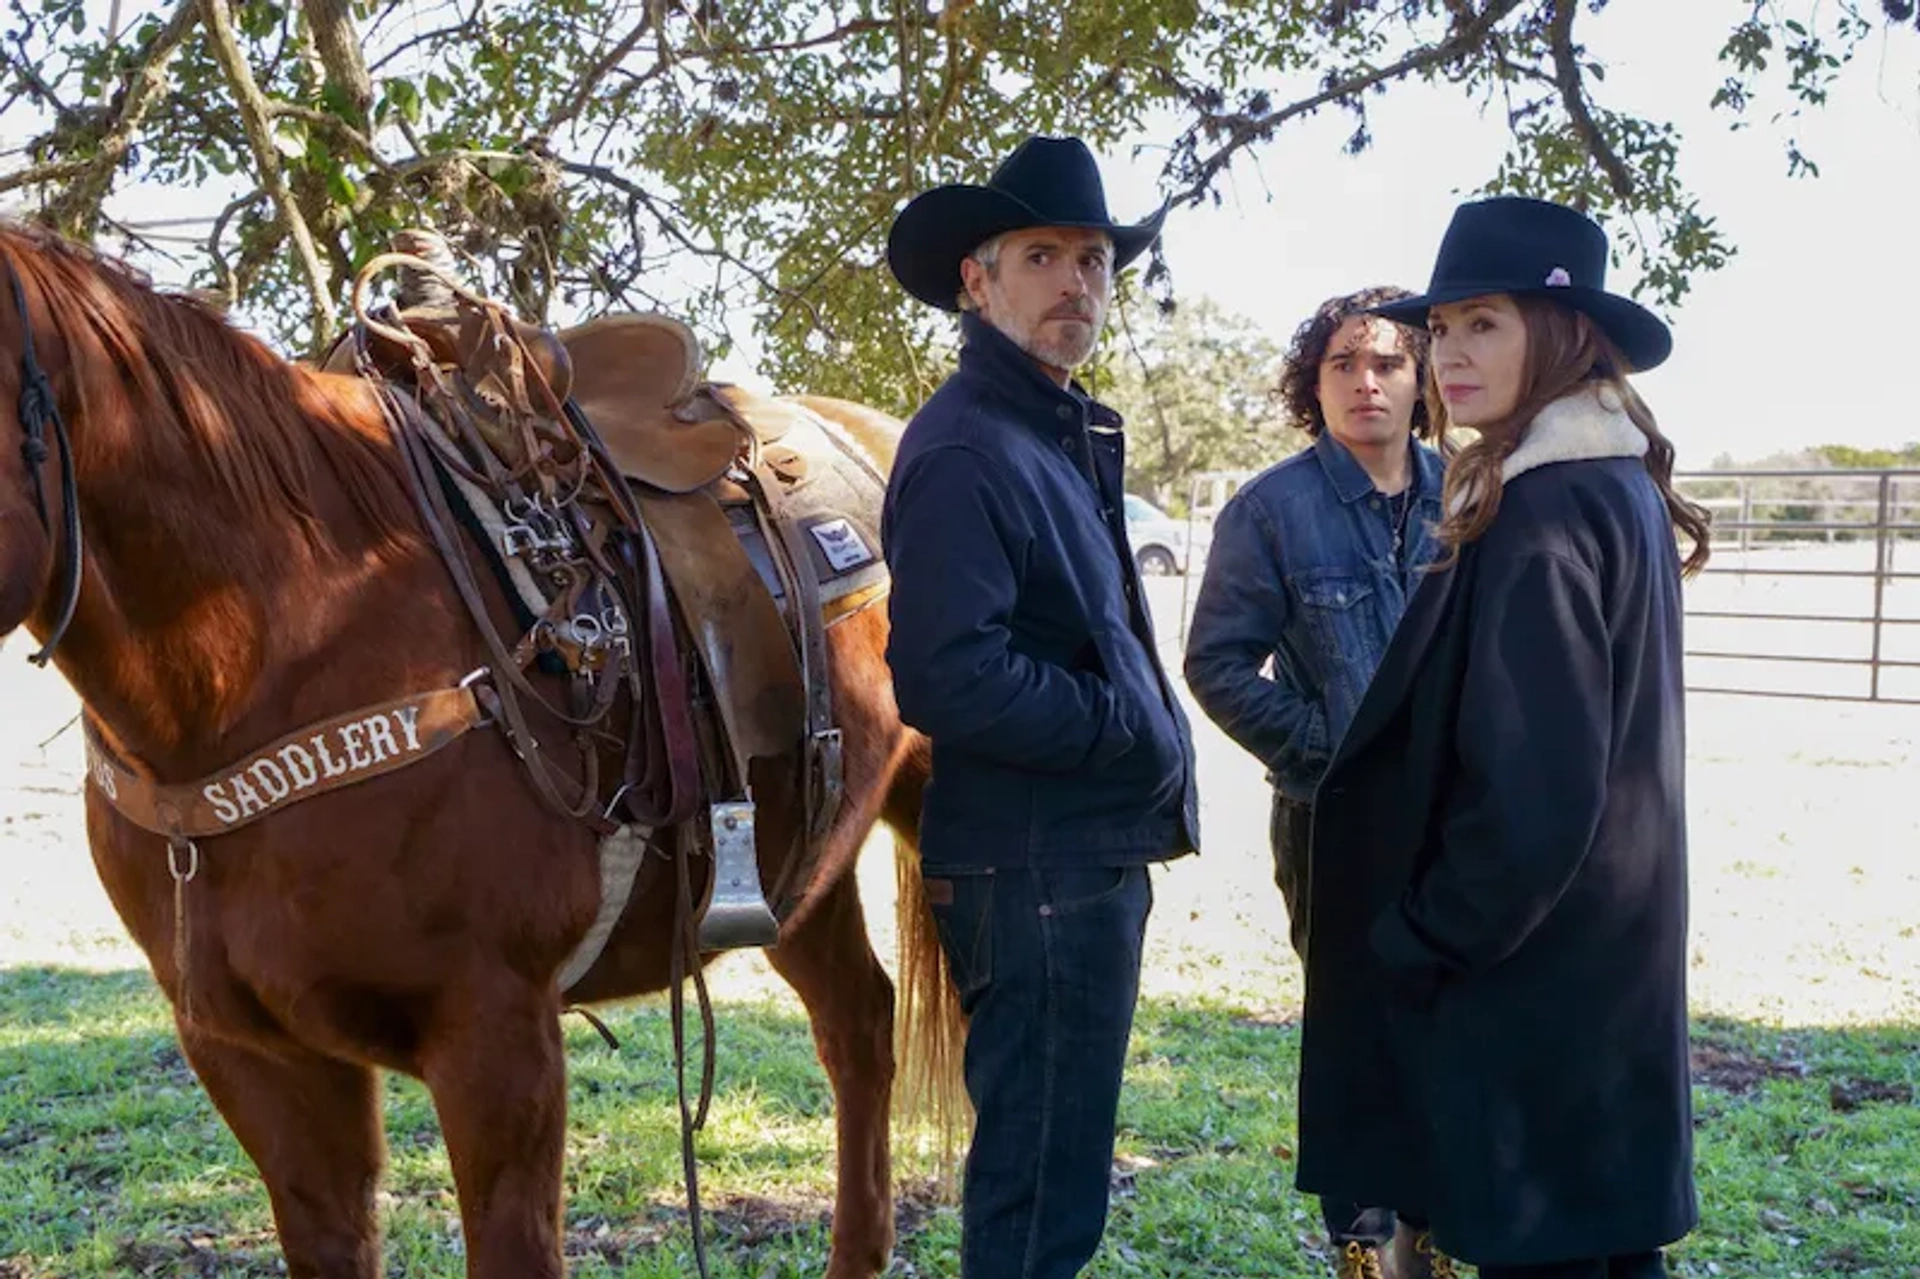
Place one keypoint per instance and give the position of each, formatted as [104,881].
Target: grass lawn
[113,1162]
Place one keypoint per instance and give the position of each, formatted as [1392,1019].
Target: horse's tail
[929,1029]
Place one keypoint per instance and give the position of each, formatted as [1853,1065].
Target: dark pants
[1047,963]
[1639,1265]
[1291,832]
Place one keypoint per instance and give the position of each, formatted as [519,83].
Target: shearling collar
[1586,424]
[1589,423]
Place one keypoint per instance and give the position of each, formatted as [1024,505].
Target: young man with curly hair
[1311,566]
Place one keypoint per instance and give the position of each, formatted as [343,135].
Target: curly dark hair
[1300,377]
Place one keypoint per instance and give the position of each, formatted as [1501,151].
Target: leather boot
[1415,1257]
[1358,1260]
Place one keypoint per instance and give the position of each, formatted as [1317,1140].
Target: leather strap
[792,561]
[431,502]
[321,758]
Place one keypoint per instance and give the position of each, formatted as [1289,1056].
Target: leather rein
[38,410]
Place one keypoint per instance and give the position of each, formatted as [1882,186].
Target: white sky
[1802,339]
[1798,341]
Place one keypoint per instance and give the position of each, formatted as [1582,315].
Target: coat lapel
[1590,423]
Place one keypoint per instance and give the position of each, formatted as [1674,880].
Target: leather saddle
[637,379]
[700,454]
[695,454]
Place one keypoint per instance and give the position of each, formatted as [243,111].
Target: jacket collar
[1582,426]
[1350,479]
[1589,423]
[996,359]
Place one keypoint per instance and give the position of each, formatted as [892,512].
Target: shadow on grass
[113,1162]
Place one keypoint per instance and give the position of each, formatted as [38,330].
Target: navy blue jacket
[1020,643]
[1302,571]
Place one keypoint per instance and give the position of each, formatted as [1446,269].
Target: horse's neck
[192,622]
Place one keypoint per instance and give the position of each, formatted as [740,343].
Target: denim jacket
[1021,645]
[1302,572]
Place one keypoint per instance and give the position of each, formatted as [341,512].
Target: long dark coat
[1496,1016]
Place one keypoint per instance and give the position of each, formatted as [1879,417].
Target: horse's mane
[202,391]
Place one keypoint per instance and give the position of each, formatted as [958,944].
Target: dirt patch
[1848,1095]
[197,1254]
[741,1221]
[615,1245]
[1269,1019]
[1845,1261]
[20,1270]
[1735,1071]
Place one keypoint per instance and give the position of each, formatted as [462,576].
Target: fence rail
[1813,571]
[1813,590]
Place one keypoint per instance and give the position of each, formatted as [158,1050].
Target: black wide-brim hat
[1511,244]
[1045,182]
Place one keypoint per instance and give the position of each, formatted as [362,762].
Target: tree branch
[1468,34]
[85,181]
[338,45]
[641,195]
[256,116]
[599,71]
[328,123]
[1566,68]
[30,75]
[859,26]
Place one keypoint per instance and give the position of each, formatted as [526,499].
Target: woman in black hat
[1508,803]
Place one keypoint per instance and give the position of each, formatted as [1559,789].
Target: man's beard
[1065,348]
[1061,348]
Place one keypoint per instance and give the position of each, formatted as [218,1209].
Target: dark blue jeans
[1047,963]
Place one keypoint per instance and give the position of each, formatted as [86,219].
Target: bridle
[38,408]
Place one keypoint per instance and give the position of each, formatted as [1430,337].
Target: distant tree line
[1838,508]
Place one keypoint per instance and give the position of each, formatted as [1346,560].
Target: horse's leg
[829,962]
[312,1125]
[496,1069]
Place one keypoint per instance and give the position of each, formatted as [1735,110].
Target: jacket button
[1065,411]
[1066,442]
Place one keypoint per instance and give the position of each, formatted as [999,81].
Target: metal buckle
[828,778]
[736,916]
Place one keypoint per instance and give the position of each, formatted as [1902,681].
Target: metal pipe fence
[1813,590]
[1816,570]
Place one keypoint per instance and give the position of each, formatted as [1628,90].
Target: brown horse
[251,564]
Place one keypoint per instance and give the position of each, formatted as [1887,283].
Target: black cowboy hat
[1510,244]
[1045,182]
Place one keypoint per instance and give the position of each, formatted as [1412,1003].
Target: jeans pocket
[1070,892]
[962,908]
[1335,605]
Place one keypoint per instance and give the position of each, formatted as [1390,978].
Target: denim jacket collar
[1350,480]
[995,359]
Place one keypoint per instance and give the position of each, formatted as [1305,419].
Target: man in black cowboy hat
[1021,646]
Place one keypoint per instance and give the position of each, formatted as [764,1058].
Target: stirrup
[736,916]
